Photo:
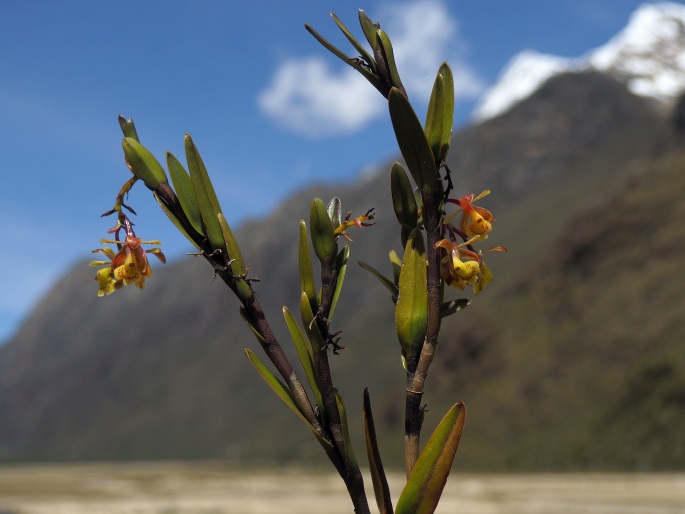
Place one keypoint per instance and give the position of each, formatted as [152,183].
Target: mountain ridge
[159,373]
[648,56]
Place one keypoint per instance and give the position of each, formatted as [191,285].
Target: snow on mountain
[648,55]
[524,74]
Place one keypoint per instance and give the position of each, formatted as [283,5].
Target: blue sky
[269,109]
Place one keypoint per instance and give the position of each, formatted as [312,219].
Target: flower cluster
[128,265]
[461,265]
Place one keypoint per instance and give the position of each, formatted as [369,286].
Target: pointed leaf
[389,58]
[356,44]
[304,352]
[246,319]
[341,268]
[440,115]
[128,128]
[396,264]
[369,28]
[143,164]
[237,265]
[307,285]
[449,308]
[316,340]
[413,144]
[284,394]
[380,482]
[350,458]
[427,479]
[321,231]
[394,290]
[368,74]
[334,210]
[184,191]
[175,220]
[205,195]
[403,201]
[411,311]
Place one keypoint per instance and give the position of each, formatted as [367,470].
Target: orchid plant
[437,255]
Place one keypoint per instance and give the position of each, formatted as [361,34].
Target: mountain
[571,358]
[648,56]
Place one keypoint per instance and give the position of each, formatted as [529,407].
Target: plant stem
[416,378]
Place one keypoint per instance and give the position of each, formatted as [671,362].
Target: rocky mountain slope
[572,358]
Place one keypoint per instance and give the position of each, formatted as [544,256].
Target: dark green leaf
[307,285]
[322,234]
[175,220]
[357,46]
[440,115]
[205,196]
[449,308]
[285,395]
[403,201]
[394,290]
[389,58]
[316,340]
[184,191]
[413,144]
[304,352]
[341,268]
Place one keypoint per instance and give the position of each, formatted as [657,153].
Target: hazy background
[223,72]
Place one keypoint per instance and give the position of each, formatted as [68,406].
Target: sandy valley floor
[210,488]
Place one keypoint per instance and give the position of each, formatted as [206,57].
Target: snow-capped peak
[521,77]
[648,55]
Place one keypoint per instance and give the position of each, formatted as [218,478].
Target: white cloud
[307,96]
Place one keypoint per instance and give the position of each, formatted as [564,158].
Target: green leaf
[368,27]
[143,164]
[285,395]
[440,115]
[174,220]
[357,46]
[334,210]
[396,264]
[205,195]
[237,265]
[413,144]
[350,458]
[128,128]
[321,231]
[411,310]
[246,319]
[394,290]
[380,482]
[341,268]
[316,340]
[368,74]
[427,479]
[304,352]
[307,285]
[389,58]
[184,191]
[403,201]
[449,308]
